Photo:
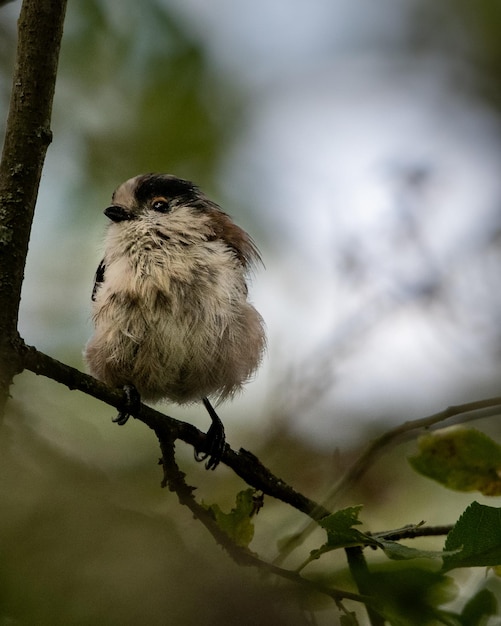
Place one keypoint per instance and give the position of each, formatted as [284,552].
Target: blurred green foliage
[146,92]
[469,33]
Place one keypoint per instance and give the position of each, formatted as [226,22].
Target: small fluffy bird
[170,301]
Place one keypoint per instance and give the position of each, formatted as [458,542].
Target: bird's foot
[215,440]
[132,404]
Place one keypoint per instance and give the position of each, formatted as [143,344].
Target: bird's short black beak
[118,213]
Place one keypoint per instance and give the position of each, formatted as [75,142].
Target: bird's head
[175,209]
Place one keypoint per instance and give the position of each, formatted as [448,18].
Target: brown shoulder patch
[235,237]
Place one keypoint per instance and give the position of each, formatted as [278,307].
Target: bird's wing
[98,279]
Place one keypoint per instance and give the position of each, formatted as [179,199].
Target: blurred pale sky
[374,180]
[380,179]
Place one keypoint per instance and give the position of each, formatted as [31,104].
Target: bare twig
[413,531]
[467,412]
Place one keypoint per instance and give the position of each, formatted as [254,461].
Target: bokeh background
[360,144]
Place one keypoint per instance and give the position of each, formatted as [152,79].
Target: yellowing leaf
[237,524]
[461,459]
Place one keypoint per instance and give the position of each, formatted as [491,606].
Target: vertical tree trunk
[28,135]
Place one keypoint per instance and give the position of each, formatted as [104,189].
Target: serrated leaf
[460,459]
[237,524]
[340,531]
[342,519]
[477,536]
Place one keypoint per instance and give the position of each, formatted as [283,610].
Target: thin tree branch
[248,467]
[468,411]
[413,531]
[174,478]
[27,137]
[363,578]
[463,412]
[243,463]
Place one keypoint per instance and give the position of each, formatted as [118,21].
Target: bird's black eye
[161,205]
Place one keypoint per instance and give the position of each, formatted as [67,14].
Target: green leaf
[341,534]
[477,536]
[237,524]
[411,596]
[399,552]
[342,519]
[483,604]
[340,531]
[461,459]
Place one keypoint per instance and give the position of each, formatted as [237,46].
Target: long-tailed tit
[170,309]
